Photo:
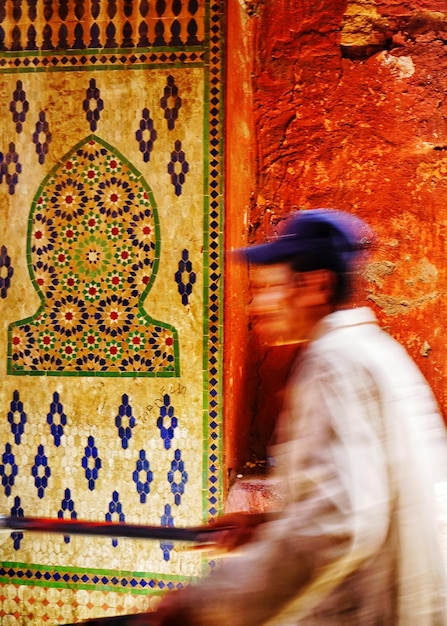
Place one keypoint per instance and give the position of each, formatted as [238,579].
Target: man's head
[304,273]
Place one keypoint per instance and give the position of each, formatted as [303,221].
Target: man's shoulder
[353,340]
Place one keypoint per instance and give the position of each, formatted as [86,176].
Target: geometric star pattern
[94,246]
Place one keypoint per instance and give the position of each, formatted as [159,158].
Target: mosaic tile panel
[110,284]
[77,25]
[94,251]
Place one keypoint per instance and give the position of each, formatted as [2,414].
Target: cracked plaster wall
[349,111]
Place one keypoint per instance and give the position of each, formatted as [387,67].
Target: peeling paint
[425,349]
[374,272]
[359,21]
[392,305]
[401,67]
[426,272]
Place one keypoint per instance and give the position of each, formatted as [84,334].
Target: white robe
[361,446]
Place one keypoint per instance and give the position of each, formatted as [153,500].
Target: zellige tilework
[110,294]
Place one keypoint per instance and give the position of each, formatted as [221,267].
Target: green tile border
[137,583]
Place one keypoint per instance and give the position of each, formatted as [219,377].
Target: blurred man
[359,445]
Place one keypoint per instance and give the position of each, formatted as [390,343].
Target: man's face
[286,305]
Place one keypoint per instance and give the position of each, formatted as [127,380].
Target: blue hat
[318,238]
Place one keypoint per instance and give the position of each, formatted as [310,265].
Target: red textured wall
[349,111]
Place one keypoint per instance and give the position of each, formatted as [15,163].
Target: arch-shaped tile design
[93,254]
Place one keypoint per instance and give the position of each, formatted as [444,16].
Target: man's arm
[336,518]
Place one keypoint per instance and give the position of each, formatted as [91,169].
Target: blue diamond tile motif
[17,417]
[67,505]
[17,511]
[125,421]
[142,477]
[19,106]
[167,520]
[10,168]
[185,277]
[178,167]
[57,419]
[8,475]
[177,477]
[166,548]
[91,463]
[115,510]
[93,104]
[41,471]
[167,422]
[171,102]
[42,137]
[6,272]
[146,135]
